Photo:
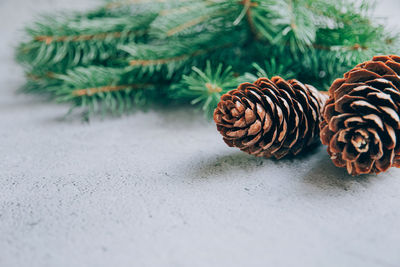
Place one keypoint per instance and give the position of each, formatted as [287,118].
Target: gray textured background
[162,189]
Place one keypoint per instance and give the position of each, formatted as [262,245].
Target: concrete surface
[162,189]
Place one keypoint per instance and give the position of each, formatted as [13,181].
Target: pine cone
[270,117]
[361,118]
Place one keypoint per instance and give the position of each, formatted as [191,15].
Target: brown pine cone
[270,117]
[361,118]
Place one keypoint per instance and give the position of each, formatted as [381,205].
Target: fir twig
[204,88]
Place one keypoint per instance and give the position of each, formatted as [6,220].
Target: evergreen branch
[104,58]
[106,90]
[60,43]
[199,16]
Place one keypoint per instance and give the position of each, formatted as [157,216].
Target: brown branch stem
[84,37]
[35,77]
[108,88]
[249,5]
[187,24]
[148,62]
[130,2]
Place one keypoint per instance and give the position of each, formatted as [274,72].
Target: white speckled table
[162,189]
